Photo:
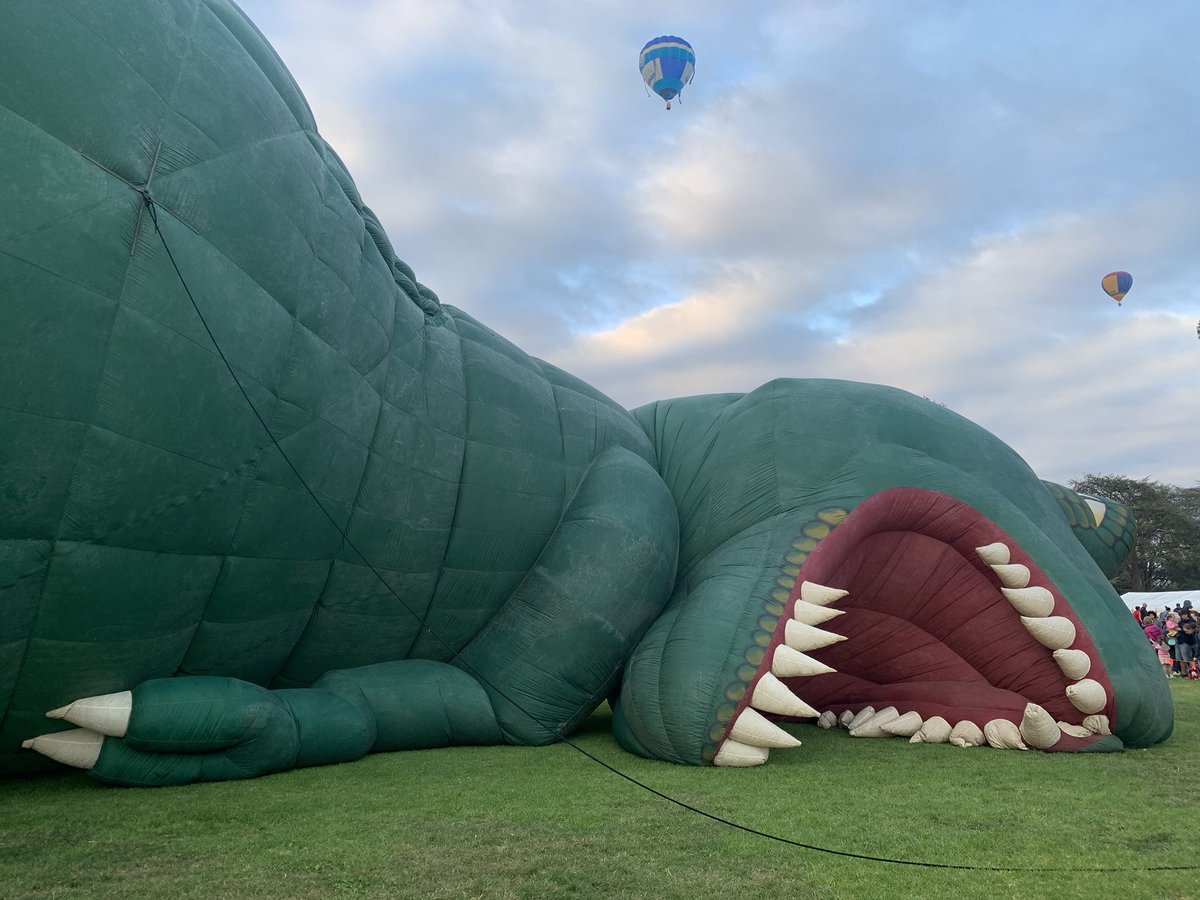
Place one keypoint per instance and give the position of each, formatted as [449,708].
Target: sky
[920,194]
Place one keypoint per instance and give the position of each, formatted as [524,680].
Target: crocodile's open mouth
[924,610]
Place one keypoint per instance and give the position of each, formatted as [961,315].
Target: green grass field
[548,822]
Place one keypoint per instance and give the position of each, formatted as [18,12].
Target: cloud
[920,196]
[1008,338]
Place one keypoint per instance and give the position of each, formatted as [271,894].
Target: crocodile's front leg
[204,728]
[545,661]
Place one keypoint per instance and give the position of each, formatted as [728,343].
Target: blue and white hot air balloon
[667,64]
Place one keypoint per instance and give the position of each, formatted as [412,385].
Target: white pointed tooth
[1052,632]
[1098,509]
[861,716]
[1097,724]
[819,594]
[1088,696]
[105,713]
[757,730]
[827,719]
[789,663]
[845,719]
[1039,728]
[78,747]
[996,554]
[1080,731]
[737,754]
[1034,601]
[1013,575]
[936,730]
[803,637]
[905,726]
[966,734]
[1075,664]
[811,614]
[873,727]
[772,695]
[1003,735]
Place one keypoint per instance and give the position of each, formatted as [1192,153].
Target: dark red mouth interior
[927,626]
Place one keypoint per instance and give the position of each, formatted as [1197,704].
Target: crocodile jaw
[937,614]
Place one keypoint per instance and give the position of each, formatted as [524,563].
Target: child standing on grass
[1171,633]
[1155,636]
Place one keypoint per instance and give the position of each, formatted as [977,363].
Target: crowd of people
[1173,635]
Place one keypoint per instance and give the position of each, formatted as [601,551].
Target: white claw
[772,695]
[811,614]
[1014,575]
[1052,632]
[1088,696]
[819,594]
[803,637]
[1079,731]
[1097,724]
[734,753]
[1036,601]
[1097,508]
[78,747]
[846,718]
[827,719]
[105,713]
[756,730]
[1039,728]
[1003,735]
[789,663]
[966,734]
[996,554]
[1075,664]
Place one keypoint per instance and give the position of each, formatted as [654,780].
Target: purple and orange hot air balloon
[1117,285]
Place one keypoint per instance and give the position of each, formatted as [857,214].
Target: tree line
[1166,553]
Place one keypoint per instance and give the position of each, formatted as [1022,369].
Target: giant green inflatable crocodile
[265,502]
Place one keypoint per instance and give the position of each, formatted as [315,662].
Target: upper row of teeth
[753,735]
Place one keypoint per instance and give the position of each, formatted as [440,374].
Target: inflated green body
[239,441]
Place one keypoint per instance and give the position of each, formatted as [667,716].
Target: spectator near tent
[1155,635]
[1171,622]
[1185,646]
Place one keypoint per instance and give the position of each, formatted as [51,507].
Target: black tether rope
[152,208]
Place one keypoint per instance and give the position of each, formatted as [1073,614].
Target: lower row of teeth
[1038,729]
[753,735]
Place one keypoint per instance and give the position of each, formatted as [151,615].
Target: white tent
[1156,600]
